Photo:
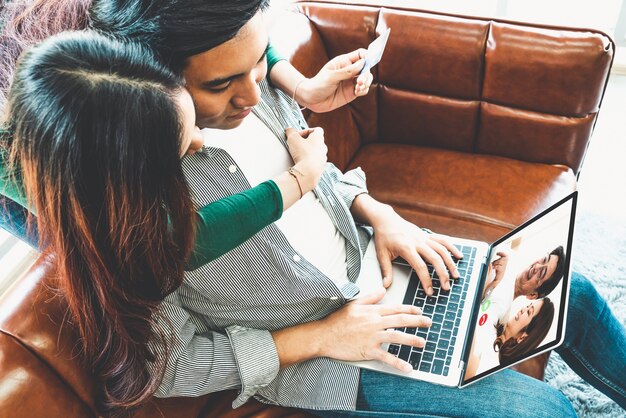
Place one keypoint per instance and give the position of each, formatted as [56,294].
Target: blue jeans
[594,347]
[14,219]
[595,341]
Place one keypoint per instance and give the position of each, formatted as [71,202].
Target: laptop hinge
[467,344]
[462,375]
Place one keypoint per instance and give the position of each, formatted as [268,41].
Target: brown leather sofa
[471,127]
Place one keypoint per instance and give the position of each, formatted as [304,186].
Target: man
[537,280]
[319,264]
[266,319]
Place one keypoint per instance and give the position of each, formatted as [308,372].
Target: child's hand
[336,84]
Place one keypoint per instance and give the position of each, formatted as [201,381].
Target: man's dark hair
[174,29]
[549,284]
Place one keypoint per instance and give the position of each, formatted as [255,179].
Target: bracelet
[293,172]
[293,98]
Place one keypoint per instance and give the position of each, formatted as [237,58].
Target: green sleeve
[273,56]
[228,222]
[11,182]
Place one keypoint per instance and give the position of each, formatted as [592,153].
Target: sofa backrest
[477,85]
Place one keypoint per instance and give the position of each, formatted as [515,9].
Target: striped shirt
[219,320]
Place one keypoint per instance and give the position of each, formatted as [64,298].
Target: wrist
[305,174]
[299,343]
[300,91]
[373,212]
[296,174]
[317,333]
[382,215]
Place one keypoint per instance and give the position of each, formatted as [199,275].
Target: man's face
[533,276]
[223,81]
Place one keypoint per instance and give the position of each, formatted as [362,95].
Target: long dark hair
[174,30]
[96,132]
[510,350]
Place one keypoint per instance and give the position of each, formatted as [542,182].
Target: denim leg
[595,341]
[506,393]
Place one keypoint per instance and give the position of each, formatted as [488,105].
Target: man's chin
[232,123]
[224,124]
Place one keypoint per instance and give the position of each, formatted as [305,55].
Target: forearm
[367,210]
[201,361]
[298,343]
[228,222]
[286,77]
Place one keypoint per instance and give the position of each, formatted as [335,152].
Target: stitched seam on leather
[482,88]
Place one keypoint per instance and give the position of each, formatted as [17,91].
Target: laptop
[482,324]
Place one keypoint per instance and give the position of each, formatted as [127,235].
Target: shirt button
[334,298]
[296,258]
[232,168]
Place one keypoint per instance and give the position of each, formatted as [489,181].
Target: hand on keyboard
[445,307]
[357,331]
[396,237]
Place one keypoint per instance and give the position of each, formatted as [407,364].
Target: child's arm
[335,85]
[224,224]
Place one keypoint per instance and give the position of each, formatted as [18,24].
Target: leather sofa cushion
[452,192]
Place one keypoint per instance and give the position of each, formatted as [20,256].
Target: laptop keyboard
[445,309]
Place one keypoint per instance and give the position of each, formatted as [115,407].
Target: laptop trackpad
[371,278]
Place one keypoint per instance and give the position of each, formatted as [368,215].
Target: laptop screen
[524,298]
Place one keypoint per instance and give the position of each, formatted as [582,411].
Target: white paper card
[375,51]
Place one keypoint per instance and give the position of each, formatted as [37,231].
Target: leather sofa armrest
[30,388]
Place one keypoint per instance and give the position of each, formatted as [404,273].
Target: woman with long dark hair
[503,342]
[525,331]
[97,133]
[97,129]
